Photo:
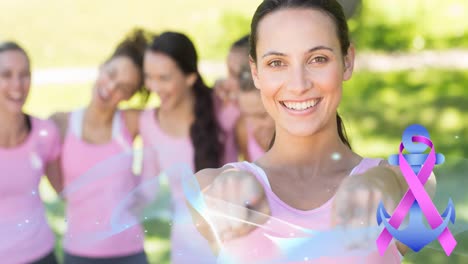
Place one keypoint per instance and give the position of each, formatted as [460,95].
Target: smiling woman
[29,148]
[189,127]
[95,135]
[310,178]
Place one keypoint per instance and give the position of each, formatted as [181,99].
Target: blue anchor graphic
[416,235]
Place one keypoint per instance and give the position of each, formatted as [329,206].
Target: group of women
[271,128]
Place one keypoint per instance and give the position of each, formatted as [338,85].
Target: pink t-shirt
[257,248]
[227,117]
[25,235]
[98,180]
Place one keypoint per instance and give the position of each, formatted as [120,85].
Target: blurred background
[412,67]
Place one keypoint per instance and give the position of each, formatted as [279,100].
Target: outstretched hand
[231,199]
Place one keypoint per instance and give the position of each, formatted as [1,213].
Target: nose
[110,87]
[17,82]
[298,80]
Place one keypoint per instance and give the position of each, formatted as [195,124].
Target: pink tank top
[227,117]
[253,148]
[256,247]
[187,245]
[25,235]
[97,180]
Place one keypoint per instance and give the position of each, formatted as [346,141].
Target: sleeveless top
[98,178]
[256,247]
[187,244]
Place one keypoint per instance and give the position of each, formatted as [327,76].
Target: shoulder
[46,135]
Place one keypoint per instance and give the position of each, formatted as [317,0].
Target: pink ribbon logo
[415,201]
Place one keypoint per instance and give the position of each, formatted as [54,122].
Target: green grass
[378,107]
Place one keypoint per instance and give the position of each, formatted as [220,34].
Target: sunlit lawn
[75,33]
[376,108]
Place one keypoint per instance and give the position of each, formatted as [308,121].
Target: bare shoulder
[61,121]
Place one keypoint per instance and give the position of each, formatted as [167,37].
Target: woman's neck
[321,152]
[13,129]
[178,118]
[96,117]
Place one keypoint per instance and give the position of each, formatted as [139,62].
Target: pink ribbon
[417,192]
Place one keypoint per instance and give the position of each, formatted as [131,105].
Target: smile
[301,106]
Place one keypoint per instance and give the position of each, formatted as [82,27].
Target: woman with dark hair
[97,162]
[29,148]
[300,55]
[188,127]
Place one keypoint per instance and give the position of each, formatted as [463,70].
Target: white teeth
[301,106]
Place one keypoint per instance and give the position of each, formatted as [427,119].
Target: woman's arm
[358,197]
[60,119]
[54,175]
[228,194]
[53,168]
[131,118]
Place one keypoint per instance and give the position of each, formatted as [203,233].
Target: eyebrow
[275,53]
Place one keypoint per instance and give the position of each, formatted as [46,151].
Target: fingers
[354,210]
[233,200]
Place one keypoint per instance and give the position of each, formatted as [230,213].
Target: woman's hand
[357,199]
[236,204]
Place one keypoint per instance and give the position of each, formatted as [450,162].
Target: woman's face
[300,69]
[256,117]
[117,81]
[236,58]
[15,81]
[164,77]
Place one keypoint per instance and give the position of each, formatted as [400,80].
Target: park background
[412,67]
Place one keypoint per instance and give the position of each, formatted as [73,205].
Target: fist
[356,202]
[236,204]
